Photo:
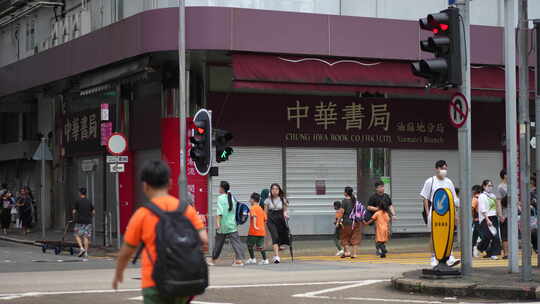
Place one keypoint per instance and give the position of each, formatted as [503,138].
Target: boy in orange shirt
[155,177]
[257,231]
[382,231]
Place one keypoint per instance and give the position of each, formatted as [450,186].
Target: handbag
[424,213]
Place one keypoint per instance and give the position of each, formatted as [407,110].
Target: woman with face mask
[489,222]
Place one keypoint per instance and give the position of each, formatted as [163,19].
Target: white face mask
[489,189]
[443,173]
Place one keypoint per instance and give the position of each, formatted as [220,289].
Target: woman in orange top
[382,220]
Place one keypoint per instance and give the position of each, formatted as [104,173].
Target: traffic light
[201,140]
[445,69]
[223,151]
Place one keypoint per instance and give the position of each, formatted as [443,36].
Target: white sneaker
[264,262]
[276,260]
[494,257]
[238,265]
[251,262]
[452,261]
[340,253]
[210,262]
[434,262]
[476,252]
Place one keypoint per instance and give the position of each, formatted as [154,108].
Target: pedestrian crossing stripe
[409,259]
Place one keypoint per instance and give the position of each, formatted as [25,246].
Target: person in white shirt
[489,222]
[431,185]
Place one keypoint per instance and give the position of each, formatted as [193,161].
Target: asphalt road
[23,280]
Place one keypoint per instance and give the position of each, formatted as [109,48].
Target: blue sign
[440,202]
[451,2]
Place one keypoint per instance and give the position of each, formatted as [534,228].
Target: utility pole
[537,128]
[464,138]
[524,137]
[182,179]
[511,131]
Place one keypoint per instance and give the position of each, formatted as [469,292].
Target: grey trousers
[235,242]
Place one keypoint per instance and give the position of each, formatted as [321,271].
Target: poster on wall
[81,132]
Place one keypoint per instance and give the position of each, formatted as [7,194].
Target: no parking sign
[458,110]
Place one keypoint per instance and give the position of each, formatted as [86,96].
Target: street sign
[117,168]
[88,165]
[42,152]
[442,224]
[458,110]
[117,144]
[111,159]
[533,142]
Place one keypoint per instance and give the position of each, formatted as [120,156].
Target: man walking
[431,185]
[83,212]
[381,198]
[155,177]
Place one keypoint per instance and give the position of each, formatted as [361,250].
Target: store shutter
[249,169]
[312,170]
[411,168]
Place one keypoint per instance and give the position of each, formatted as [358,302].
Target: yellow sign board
[442,223]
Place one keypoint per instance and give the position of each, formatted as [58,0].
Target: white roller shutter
[249,169]
[411,168]
[336,168]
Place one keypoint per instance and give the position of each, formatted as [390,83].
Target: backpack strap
[182,206]
[155,209]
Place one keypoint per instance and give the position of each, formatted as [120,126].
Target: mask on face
[443,173]
[489,189]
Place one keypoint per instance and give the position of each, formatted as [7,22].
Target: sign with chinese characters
[81,132]
[347,121]
[106,132]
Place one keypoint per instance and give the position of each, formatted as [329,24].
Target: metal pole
[511,132]
[211,224]
[182,179]
[43,189]
[464,137]
[537,130]
[93,200]
[118,234]
[524,136]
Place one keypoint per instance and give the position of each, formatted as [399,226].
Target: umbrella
[290,241]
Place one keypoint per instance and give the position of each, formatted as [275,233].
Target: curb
[465,289]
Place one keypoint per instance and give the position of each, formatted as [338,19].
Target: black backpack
[180,269]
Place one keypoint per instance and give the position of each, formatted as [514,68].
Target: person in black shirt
[24,204]
[83,212]
[379,197]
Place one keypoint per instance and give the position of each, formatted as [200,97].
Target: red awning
[349,75]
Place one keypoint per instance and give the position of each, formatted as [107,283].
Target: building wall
[41,30]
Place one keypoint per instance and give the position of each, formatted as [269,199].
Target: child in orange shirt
[382,220]
[257,231]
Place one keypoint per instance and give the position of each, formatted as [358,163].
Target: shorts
[83,230]
[255,241]
[350,236]
[151,296]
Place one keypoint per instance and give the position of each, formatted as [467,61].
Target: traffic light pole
[537,129]
[524,137]
[511,132]
[182,179]
[464,138]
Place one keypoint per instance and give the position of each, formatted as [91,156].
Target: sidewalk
[319,246]
[488,283]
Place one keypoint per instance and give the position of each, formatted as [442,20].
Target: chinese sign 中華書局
[354,115]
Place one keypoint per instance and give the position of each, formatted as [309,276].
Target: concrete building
[318,94]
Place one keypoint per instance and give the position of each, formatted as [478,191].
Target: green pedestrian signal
[223,151]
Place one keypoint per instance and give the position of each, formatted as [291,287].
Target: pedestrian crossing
[413,258]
